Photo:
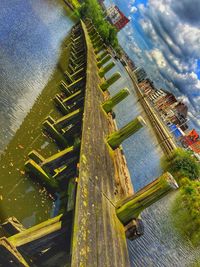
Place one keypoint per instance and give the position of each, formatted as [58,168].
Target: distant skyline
[163,36]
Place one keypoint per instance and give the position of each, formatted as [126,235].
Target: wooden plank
[98,237]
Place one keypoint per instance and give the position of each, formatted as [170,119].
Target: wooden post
[77,74]
[34,155]
[64,88]
[52,131]
[104,86]
[64,157]
[131,207]
[35,169]
[103,61]
[9,255]
[12,226]
[101,56]
[98,44]
[116,138]
[99,49]
[60,105]
[67,119]
[37,238]
[134,229]
[108,67]
[110,103]
[72,87]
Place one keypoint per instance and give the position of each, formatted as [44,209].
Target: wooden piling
[104,86]
[33,168]
[116,138]
[110,103]
[131,207]
[9,255]
[104,60]
[107,68]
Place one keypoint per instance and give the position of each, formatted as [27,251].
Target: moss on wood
[110,103]
[104,86]
[116,138]
[131,207]
[107,68]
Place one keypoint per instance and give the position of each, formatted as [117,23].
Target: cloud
[172,29]
[187,10]
[133,9]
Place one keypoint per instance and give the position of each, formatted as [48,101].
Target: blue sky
[164,37]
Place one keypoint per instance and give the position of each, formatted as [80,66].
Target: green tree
[181,164]
[186,211]
[91,9]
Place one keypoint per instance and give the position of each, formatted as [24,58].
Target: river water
[31,32]
[160,245]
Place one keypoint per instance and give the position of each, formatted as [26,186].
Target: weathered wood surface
[98,238]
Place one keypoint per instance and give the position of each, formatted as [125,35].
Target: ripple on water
[31,34]
[161,245]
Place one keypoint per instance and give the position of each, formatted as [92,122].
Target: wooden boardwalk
[90,235]
[98,238]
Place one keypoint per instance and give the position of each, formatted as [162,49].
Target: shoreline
[164,137]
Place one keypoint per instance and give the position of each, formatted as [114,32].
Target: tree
[181,164]
[186,211]
[91,9]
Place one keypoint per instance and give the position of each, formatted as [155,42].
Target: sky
[163,36]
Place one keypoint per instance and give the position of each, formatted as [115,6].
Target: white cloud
[158,57]
[176,45]
[133,9]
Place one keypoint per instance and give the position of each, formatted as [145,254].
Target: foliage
[181,164]
[74,3]
[91,9]
[186,211]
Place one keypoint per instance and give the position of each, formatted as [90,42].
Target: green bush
[91,9]
[186,211]
[181,164]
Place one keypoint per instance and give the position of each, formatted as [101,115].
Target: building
[195,147]
[140,74]
[129,61]
[147,87]
[189,139]
[116,17]
[167,99]
[101,2]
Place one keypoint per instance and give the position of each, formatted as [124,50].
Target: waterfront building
[157,95]
[195,147]
[129,61]
[116,17]
[190,138]
[140,74]
[147,87]
[166,100]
